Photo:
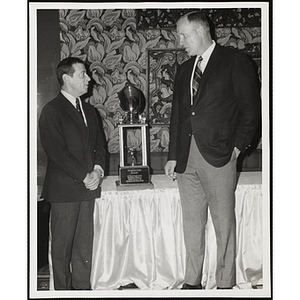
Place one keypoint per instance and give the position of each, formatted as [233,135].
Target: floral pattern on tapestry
[116,52]
[162,68]
[226,17]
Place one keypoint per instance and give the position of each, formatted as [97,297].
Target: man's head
[194,33]
[72,76]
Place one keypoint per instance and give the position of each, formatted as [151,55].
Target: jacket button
[193,113]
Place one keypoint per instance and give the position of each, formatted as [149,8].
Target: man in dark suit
[73,139]
[215,114]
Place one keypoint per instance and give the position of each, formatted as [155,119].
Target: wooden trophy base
[132,187]
[134,178]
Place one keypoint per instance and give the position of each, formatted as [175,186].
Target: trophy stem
[131,118]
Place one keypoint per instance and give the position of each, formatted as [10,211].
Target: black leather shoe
[224,288]
[187,286]
[128,286]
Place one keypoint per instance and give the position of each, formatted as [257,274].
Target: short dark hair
[197,17]
[66,67]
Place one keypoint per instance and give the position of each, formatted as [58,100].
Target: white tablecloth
[138,236]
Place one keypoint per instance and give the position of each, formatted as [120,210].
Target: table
[138,236]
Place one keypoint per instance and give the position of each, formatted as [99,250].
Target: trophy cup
[133,173]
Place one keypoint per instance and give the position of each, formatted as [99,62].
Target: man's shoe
[224,288]
[187,286]
[128,286]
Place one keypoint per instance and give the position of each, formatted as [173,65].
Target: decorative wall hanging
[162,67]
[230,17]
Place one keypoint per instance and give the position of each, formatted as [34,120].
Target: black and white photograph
[149,150]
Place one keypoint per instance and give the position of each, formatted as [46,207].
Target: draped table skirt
[138,236]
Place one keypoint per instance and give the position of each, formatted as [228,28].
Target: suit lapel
[88,127]
[71,110]
[187,74]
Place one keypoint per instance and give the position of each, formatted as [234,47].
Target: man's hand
[169,169]
[92,180]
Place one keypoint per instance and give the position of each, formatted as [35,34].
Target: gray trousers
[202,186]
[72,244]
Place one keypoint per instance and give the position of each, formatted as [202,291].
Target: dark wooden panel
[48,56]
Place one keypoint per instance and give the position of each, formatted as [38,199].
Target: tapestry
[230,17]
[162,67]
[116,50]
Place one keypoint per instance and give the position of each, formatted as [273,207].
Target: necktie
[197,76]
[79,108]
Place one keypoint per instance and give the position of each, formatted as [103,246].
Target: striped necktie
[79,108]
[197,76]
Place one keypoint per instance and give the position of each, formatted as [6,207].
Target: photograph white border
[265,69]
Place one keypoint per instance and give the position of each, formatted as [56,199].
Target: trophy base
[134,178]
[131,187]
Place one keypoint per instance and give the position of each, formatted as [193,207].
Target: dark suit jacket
[225,113]
[72,149]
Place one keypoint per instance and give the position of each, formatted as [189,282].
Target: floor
[43,281]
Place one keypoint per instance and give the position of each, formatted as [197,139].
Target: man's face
[78,83]
[189,37]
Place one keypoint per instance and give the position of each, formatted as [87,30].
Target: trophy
[134,172]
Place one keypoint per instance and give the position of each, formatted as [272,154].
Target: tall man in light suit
[72,137]
[207,133]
